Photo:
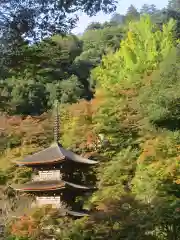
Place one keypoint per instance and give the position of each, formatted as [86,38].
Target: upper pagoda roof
[52,155]
[52,185]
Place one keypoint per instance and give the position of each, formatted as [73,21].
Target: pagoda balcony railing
[47,175]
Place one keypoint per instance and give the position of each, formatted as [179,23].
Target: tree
[173,11]
[148,9]
[135,55]
[4,95]
[163,95]
[29,97]
[132,14]
[51,57]
[37,19]
[141,103]
[117,18]
[174,5]
[93,26]
[157,16]
[67,91]
[49,62]
[96,43]
[107,37]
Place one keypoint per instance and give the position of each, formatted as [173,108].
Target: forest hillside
[118,86]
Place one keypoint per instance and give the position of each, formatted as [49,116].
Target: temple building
[58,177]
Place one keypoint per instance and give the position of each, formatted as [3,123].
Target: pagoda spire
[56,122]
[53,183]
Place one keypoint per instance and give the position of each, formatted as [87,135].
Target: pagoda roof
[52,185]
[52,155]
[76,214]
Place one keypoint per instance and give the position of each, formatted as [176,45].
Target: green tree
[96,43]
[173,11]
[28,97]
[143,49]
[132,14]
[50,58]
[117,18]
[36,19]
[102,40]
[157,16]
[4,95]
[93,26]
[51,61]
[67,91]
[148,9]
[174,5]
[140,118]
[161,103]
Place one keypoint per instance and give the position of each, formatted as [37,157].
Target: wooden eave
[53,155]
[39,186]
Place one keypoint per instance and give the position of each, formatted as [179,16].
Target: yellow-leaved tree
[140,52]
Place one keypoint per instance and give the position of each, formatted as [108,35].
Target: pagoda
[57,177]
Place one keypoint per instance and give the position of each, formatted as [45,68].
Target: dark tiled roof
[53,154]
[76,214]
[48,155]
[47,186]
[40,186]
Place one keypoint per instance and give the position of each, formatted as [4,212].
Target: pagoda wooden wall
[48,175]
[54,201]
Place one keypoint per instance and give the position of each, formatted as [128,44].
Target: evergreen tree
[148,9]
[117,18]
[174,5]
[132,13]
[94,26]
[173,11]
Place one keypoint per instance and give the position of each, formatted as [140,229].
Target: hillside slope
[135,114]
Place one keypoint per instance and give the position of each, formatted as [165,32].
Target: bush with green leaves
[159,99]
[3,177]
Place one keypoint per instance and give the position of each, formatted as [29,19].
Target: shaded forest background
[119,83]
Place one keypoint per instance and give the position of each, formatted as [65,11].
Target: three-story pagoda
[56,180]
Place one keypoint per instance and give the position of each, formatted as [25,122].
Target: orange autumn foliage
[24,227]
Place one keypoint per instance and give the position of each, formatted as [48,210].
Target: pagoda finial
[56,122]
